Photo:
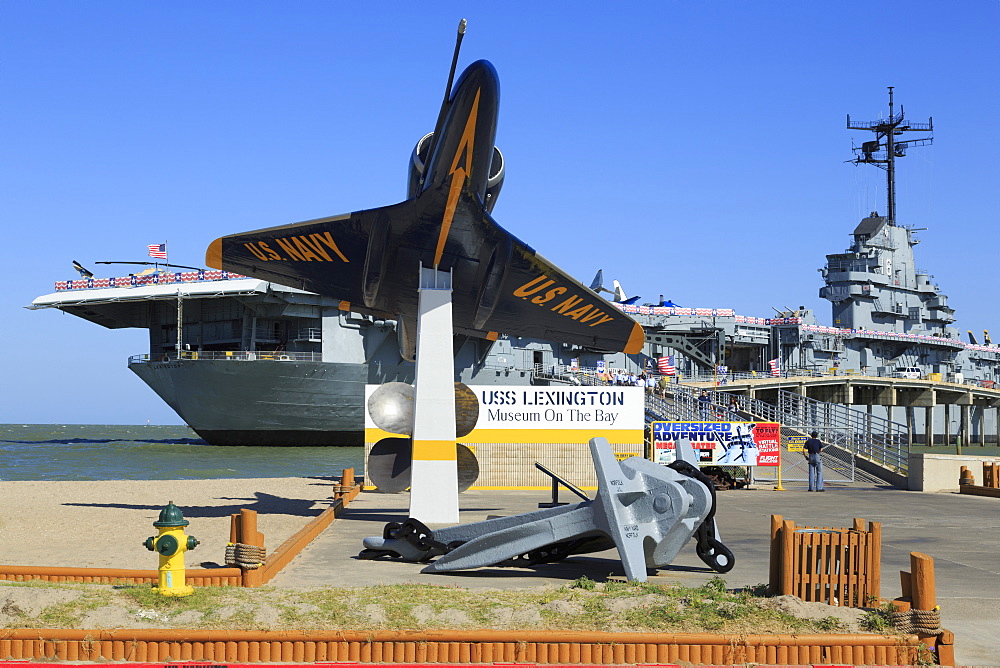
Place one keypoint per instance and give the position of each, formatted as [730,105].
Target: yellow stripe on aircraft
[458,177]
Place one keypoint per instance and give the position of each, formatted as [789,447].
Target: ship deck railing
[232,355]
[153,278]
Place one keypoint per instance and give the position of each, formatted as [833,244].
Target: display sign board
[538,414]
[797,443]
[719,443]
[559,407]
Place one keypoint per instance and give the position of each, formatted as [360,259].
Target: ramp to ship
[861,447]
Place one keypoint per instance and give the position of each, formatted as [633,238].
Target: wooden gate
[834,565]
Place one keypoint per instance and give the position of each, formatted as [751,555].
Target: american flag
[775,367]
[158,251]
[666,365]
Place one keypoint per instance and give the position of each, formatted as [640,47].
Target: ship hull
[271,403]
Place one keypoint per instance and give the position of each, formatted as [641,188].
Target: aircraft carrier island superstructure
[257,363]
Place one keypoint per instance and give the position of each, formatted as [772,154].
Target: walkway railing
[875,438]
[556,373]
[156,278]
[237,355]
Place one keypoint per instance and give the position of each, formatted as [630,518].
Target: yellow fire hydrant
[171,544]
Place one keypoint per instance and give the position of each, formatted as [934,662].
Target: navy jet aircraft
[371,259]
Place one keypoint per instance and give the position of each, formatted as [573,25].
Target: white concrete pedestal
[434,472]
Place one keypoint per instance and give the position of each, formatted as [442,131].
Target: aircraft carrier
[262,364]
[248,362]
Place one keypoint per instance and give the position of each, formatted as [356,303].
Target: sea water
[155,452]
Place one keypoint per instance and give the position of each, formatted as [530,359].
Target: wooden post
[905,585]
[234,528]
[859,524]
[250,536]
[922,570]
[946,648]
[875,566]
[967,477]
[787,557]
[991,475]
[346,483]
[774,573]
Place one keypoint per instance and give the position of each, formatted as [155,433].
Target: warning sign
[796,443]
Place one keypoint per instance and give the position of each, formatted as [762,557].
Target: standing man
[704,405]
[813,447]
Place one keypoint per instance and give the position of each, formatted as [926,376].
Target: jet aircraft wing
[371,260]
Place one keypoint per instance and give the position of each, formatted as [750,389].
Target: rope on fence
[917,621]
[248,557]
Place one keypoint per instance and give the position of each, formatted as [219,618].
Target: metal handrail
[310,334]
[232,355]
[875,438]
[556,373]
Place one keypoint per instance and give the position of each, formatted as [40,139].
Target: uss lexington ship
[248,362]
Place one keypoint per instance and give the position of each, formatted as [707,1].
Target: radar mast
[884,149]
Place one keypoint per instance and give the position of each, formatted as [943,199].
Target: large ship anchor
[647,511]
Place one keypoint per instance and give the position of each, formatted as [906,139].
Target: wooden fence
[991,481]
[243,528]
[454,647]
[834,565]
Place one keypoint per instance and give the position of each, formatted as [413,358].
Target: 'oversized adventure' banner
[720,443]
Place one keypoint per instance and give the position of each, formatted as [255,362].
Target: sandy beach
[103,523]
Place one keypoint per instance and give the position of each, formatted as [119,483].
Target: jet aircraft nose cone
[481,75]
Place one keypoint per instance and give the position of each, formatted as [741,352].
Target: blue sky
[691,149]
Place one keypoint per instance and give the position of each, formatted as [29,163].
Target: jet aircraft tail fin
[597,285]
[621,297]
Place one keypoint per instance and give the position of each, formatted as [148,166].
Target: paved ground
[959,531]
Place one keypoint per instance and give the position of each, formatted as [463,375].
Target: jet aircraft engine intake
[418,162]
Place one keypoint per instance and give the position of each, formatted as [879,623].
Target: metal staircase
[853,432]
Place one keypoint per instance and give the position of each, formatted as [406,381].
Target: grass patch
[582,604]
[877,620]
